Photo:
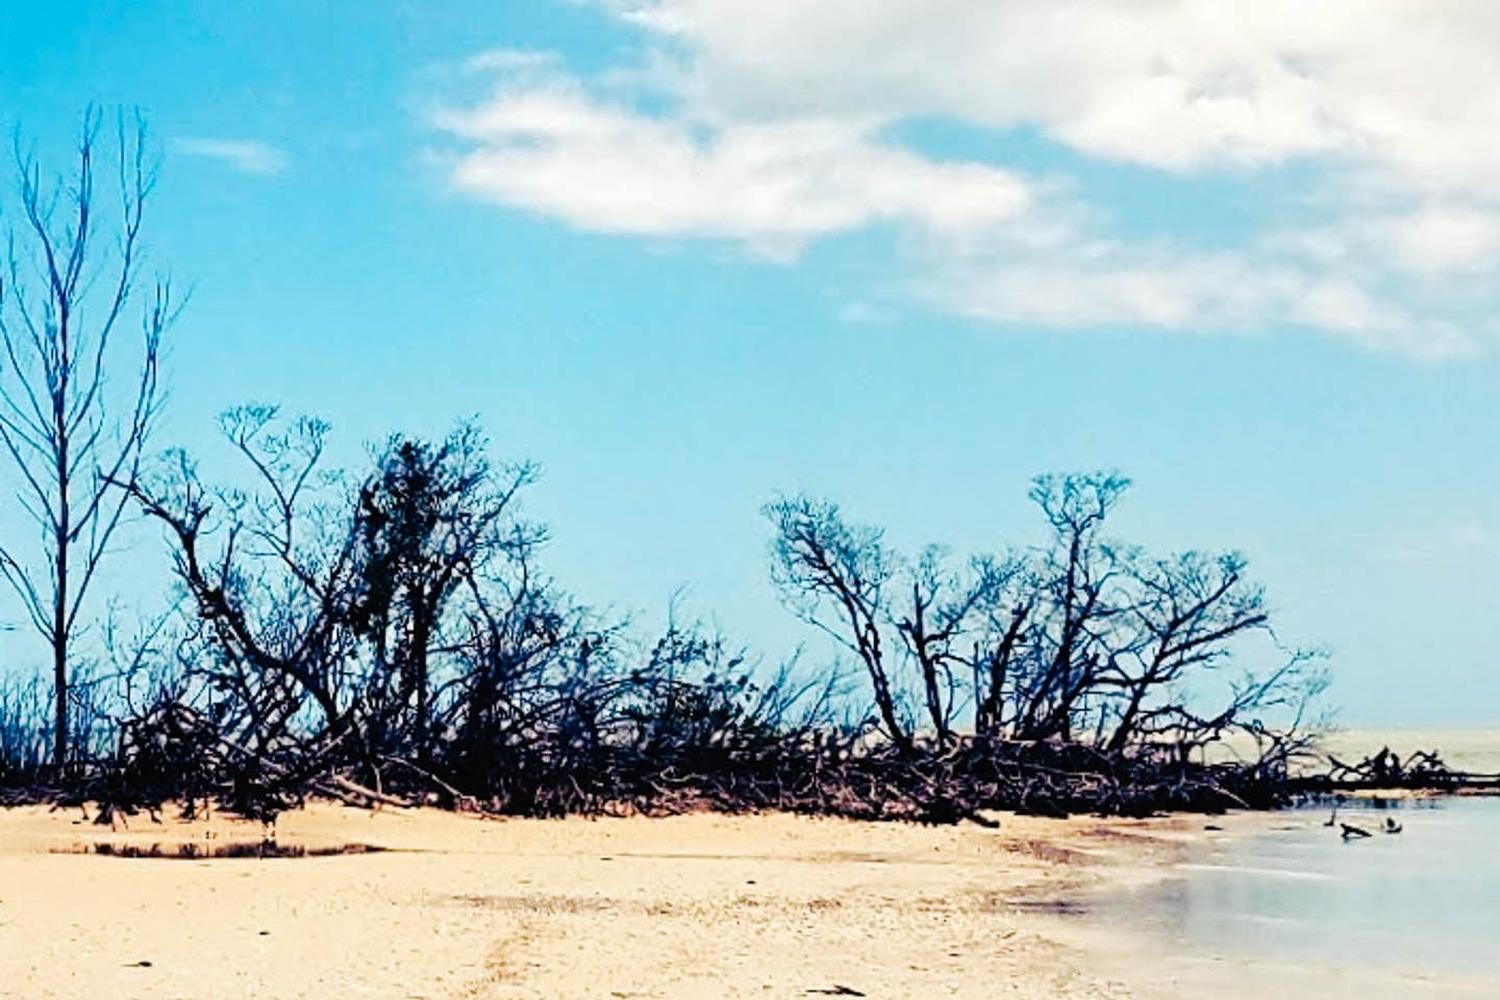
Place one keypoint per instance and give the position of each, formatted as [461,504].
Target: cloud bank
[775,123]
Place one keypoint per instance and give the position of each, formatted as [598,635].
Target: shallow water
[1422,905]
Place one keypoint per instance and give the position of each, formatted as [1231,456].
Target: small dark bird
[1353,832]
[1391,826]
[1333,817]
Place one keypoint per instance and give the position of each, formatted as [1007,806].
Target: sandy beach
[458,906]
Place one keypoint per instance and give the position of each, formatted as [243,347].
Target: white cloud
[770,123]
[244,155]
[1409,88]
[773,185]
[1125,286]
[1103,289]
[1446,238]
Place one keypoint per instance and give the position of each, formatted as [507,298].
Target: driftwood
[939,785]
[174,752]
[1422,770]
[352,793]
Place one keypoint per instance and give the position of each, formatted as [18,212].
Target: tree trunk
[64,524]
[60,723]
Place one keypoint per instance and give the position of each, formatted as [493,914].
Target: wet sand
[694,906]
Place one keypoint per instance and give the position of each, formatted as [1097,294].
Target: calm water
[1423,903]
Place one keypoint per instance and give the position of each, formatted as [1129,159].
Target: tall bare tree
[831,574]
[77,399]
[1080,572]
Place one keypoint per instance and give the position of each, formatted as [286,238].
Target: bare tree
[74,420]
[820,563]
[1077,572]
[941,612]
[1084,640]
[272,573]
[1189,609]
[431,519]
[1005,598]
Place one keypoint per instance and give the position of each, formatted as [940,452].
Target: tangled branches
[390,640]
[1421,769]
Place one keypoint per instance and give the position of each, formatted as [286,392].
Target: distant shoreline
[1471,748]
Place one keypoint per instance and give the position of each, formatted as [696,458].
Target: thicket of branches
[1084,640]
[391,637]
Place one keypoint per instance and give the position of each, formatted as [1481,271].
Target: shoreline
[698,905]
[1199,932]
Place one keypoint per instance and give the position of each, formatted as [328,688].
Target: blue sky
[691,253]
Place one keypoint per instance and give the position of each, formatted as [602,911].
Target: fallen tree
[1386,770]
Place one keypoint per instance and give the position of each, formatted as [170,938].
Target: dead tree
[1085,641]
[77,405]
[271,574]
[822,564]
[1006,600]
[1076,575]
[432,518]
[357,626]
[941,612]
[1185,613]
